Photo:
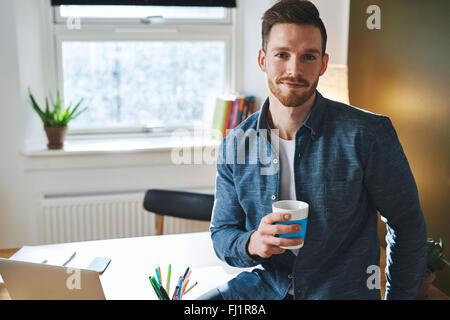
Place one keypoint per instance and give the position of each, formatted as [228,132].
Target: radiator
[83,218]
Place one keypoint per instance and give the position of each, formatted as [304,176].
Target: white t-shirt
[287,177]
[287,183]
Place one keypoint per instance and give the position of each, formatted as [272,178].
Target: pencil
[168,278]
[189,289]
[160,276]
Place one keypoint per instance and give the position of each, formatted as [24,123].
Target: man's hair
[300,12]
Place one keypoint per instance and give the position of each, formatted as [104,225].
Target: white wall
[22,186]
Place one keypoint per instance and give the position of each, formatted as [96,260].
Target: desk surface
[133,260]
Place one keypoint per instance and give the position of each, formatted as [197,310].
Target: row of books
[229,112]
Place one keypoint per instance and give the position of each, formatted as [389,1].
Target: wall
[25,180]
[403,71]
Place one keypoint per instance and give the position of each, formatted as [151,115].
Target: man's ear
[262,60]
[325,59]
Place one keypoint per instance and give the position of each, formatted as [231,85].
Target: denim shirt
[348,165]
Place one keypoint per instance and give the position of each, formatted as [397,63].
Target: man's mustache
[294,80]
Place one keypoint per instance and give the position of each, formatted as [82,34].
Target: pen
[152,281]
[185,273]
[187,277]
[164,293]
[160,276]
[174,297]
[157,275]
[189,289]
[70,259]
[184,287]
[180,282]
[168,278]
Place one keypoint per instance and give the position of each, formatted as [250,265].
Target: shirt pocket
[341,198]
[316,227]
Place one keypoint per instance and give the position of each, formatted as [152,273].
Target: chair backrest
[180,204]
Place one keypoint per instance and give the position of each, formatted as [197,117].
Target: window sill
[107,146]
[120,152]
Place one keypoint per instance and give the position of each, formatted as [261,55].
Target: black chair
[179,204]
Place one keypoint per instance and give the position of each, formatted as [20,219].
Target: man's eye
[309,57]
[281,55]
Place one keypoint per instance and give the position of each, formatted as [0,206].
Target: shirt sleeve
[391,185]
[228,233]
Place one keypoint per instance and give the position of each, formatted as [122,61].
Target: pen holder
[163,293]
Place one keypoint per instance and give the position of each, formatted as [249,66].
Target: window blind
[181,3]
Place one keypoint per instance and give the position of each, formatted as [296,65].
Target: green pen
[155,287]
[168,279]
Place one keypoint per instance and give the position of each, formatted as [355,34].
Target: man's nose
[294,67]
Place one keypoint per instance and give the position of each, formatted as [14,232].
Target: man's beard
[292,99]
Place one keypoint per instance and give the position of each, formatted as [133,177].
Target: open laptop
[35,281]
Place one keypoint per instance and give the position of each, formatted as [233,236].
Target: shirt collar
[313,121]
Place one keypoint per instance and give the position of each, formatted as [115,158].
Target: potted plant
[436,262]
[55,121]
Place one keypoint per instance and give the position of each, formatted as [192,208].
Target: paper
[39,254]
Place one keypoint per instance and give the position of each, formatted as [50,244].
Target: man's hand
[263,242]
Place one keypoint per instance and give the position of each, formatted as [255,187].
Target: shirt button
[290,276]
[275,161]
[273,197]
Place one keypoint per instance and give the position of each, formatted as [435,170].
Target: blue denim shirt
[348,165]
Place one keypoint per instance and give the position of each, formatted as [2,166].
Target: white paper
[41,254]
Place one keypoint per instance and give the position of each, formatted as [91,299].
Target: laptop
[36,281]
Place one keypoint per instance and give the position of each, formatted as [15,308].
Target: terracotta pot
[423,290]
[55,136]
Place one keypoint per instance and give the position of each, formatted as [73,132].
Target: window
[142,69]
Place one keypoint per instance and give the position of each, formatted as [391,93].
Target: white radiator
[83,218]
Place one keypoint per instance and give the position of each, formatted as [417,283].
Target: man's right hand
[264,243]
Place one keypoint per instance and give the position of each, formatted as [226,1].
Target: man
[346,163]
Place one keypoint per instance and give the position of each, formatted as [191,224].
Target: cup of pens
[163,293]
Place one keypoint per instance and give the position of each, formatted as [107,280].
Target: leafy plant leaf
[57,115]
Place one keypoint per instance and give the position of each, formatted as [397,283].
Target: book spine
[229,105]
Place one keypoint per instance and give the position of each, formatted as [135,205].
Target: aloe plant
[436,259]
[58,116]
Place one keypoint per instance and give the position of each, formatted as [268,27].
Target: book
[222,111]
[234,113]
[230,111]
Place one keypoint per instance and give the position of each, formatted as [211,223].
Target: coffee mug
[299,215]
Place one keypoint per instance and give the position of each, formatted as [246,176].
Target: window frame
[125,29]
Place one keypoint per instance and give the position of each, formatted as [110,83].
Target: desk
[134,259]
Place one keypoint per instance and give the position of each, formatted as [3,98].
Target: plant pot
[423,290]
[55,136]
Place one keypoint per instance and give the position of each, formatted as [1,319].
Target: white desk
[133,260]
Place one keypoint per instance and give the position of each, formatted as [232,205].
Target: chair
[179,204]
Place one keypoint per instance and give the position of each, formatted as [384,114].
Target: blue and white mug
[299,215]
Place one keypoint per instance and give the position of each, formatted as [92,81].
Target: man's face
[293,62]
